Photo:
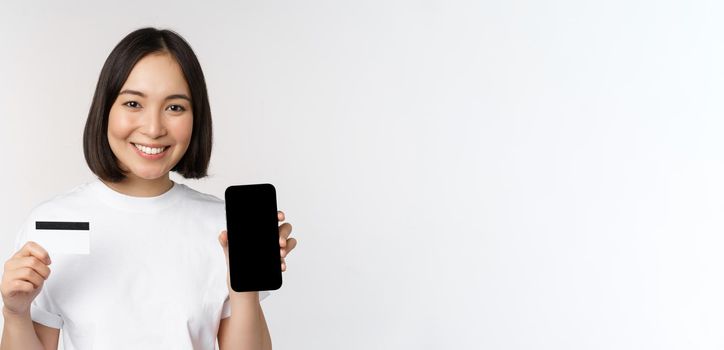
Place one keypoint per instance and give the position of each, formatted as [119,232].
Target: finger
[32,262]
[291,243]
[22,286]
[29,275]
[34,249]
[284,231]
[280,215]
[284,265]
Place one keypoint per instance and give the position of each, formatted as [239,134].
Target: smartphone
[253,230]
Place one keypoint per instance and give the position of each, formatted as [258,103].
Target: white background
[460,175]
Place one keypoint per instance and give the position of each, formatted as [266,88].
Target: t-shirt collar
[123,201]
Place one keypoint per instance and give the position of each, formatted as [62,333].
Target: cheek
[183,129]
[118,127]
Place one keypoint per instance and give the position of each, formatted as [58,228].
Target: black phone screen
[253,231]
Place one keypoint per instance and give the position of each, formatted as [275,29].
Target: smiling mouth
[150,150]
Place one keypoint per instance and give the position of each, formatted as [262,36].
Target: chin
[149,175]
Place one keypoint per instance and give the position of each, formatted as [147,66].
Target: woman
[154,277]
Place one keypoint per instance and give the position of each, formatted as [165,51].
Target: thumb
[224,241]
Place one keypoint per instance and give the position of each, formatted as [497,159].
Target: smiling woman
[155,273]
[151,92]
[150,123]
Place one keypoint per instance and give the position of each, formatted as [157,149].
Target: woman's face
[150,123]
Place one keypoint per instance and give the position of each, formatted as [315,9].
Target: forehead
[157,75]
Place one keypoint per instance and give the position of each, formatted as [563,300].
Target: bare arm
[246,328]
[20,332]
[48,335]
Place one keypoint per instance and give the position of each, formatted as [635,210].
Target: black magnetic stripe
[61,225]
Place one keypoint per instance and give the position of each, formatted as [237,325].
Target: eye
[176,108]
[132,104]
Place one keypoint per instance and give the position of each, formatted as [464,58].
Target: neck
[138,187]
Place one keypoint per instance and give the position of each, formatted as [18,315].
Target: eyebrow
[169,97]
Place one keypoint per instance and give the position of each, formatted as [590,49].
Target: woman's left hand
[285,243]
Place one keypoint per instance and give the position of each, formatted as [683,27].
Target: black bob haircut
[118,66]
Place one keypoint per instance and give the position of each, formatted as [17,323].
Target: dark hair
[118,66]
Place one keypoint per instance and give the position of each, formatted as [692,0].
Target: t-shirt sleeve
[42,308]
[226,310]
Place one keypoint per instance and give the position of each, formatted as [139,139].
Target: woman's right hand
[23,277]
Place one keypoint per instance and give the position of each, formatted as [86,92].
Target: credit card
[62,237]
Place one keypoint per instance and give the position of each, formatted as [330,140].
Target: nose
[153,125]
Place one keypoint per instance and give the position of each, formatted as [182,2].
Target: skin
[152,108]
[144,114]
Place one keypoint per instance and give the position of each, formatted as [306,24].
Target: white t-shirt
[155,277]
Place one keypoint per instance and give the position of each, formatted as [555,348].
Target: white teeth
[149,150]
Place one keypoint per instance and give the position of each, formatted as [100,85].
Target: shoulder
[206,209]
[200,201]
[198,197]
